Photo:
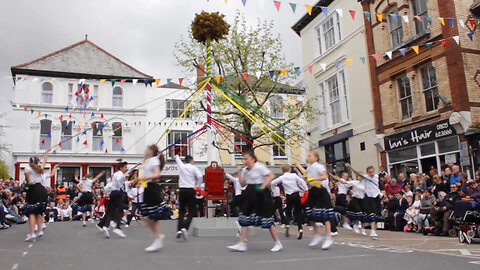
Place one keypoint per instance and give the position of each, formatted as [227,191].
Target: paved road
[69,246]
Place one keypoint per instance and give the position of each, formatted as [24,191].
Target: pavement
[68,245]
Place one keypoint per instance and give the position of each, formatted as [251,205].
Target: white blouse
[256,175]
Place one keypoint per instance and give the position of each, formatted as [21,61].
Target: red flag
[117,141]
[352,13]
[25,108]
[277,5]
[444,43]
[43,141]
[87,90]
[180,80]
[106,150]
[123,80]
[70,116]
[245,76]
[304,198]
[76,94]
[310,68]
[61,117]
[60,144]
[101,115]
[472,22]
[376,56]
[85,142]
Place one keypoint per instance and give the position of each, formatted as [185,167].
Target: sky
[142,33]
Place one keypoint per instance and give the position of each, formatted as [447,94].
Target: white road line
[30,245]
[15,266]
[464,252]
[24,254]
[474,262]
[315,258]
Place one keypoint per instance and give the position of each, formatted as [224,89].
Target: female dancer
[85,201]
[341,203]
[36,196]
[257,209]
[320,208]
[154,208]
[372,203]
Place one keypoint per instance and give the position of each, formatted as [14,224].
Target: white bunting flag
[461,23]
[405,18]
[134,81]
[258,74]
[324,66]
[389,54]
[457,39]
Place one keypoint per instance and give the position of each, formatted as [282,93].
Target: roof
[83,59]
[173,85]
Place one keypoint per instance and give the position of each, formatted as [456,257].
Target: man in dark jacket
[443,209]
[397,211]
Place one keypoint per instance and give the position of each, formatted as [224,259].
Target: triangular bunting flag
[310,68]
[180,81]
[244,76]
[49,134]
[42,142]
[389,54]
[284,71]
[60,144]
[66,108]
[352,14]
[117,141]
[472,22]
[271,73]
[134,81]
[78,139]
[106,150]
[218,78]
[380,17]
[416,49]
[309,9]
[442,20]
[39,113]
[85,142]
[293,6]
[102,143]
[336,63]
[444,42]
[457,39]
[429,20]
[102,81]
[297,70]
[277,5]
[92,115]
[324,11]
[376,56]
[418,18]
[461,23]
[113,82]
[469,34]
[402,51]
[123,80]
[323,66]
[451,21]
[405,18]
[258,74]
[146,82]
[244,2]
[367,15]
[429,45]
[169,80]
[350,61]
[61,117]
[363,59]
[157,81]
[123,149]
[101,115]
[230,78]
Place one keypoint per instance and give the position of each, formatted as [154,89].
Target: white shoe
[316,240]
[310,228]
[92,220]
[113,224]
[327,243]
[347,226]
[36,227]
[282,226]
[50,220]
[30,238]
[240,247]
[300,235]
[119,232]
[373,234]
[99,228]
[356,229]
[156,245]
[319,224]
[126,225]
[106,232]
[363,231]
[277,247]
[84,224]
[332,234]
[184,234]
[38,234]
[44,226]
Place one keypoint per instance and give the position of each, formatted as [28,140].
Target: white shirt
[66,212]
[275,191]
[256,175]
[108,189]
[358,189]
[46,179]
[33,176]
[342,188]
[316,170]
[150,164]
[236,184]
[118,181]
[189,176]
[136,194]
[86,185]
[371,185]
[291,183]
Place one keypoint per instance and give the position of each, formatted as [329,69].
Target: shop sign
[419,135]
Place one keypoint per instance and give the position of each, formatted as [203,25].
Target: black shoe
[287,231]
[300,234]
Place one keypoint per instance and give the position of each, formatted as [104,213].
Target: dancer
[257,209]
[319,204]
[278,207]
[372,203]
[36,201]
[341,203]
[190,177]
[292,185]
[237,201]
[355,209]
[85,200]
[154,208]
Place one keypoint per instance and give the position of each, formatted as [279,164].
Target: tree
[255,50]
[4,170]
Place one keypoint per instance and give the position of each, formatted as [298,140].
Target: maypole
[207,28]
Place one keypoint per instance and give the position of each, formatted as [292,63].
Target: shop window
[395,28]
[405,96]
[66,135]
[420,11]
[403,154]
[427,149]
[45,134]
[337,154]
[430,90]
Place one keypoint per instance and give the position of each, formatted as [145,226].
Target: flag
[244,76]
[389,54]
[336,63]
[363,59]
[70,116]
[102,143]
[380,17]
[134,81]
[324,10]
[180,80]
[444,42]
[451,21]
[168,81]
[106,150]
[416,49]
[271,73]
[61,117]
[309,9]
[405,18]
[122,150]
[218,78]
[60,144]
[376,56]
[349,61]
[429,45]
[457,39]
[352,14]
[244,2]
[293,6]
[113,82]
[66,108]
[367,15]
[84,132]
[102,81]
[402,51]
[258,74]
[123,80]
[42,142]
[157,81]
[85,142]
[469,34]
[117,141]
[442,20]
[284,71]
[472,22]
[277,5]
[78,139]
[323,65]
[297,70]
[101,115]
[39,113]
[310,68]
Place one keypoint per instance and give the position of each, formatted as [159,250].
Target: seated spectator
[455,176]
[419,182]
[397,209]
[408,190]
[51,213]
[426,205]
[392,187]
[440,184]
[401,179]
[66,212]
[411,214]
[443,209]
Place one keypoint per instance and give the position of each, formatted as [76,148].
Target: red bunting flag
[76,93]
[376,56]
[180,80]
[352,13]
[101,115]
[85,142]
[60,144]
[123,80]
[25,108]
[310,68]
[444,43]
[70,116]
[106,150]
[277,5]
[61,117]
[472,22]
[245,76]
[117,141]
[42,142]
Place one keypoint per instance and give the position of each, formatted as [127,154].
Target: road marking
[15,266]
[475,262]
[30,246]
[315,259]
[464,252]
[24,254]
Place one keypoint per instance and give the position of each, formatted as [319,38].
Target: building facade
[91,109]
[344,132]
[425,94]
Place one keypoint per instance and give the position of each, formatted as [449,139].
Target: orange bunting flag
[310,68]
[416,49]
[380,17]
[277,5]
[39,113]
[218,78]
[245,76]
[53,79]
[180,80]
[309,9]
[157,81]
[284,71]
[349,61]
[442,21]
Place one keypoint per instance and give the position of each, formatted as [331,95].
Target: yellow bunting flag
[218,78]
[53,79]
[80,122]
[102,81]
[416,49]
[284,71]
[226,1]
[380,17]
[39,113]
[157,81]
[442,21]
[349,61]
[3,98]
[309,9]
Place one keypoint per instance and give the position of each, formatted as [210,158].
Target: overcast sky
[140,32]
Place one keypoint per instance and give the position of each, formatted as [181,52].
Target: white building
[339,83]
[115,118]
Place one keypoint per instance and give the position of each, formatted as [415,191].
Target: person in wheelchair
[470,193]
[443,209]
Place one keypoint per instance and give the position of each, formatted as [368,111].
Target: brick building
[426,99]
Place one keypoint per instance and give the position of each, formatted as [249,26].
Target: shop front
[424,148]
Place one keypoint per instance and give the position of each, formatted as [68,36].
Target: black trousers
[187,202]
[294,203]
[114,211]
[135,209]
[200,207]
[278,205]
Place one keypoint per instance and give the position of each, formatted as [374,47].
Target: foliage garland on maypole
[207,28]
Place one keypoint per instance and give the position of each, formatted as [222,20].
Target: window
[117,136]
[242,144]
[335,100]
[97,136]
[430,90]
[178,141]
[420,10]
[94,93]
[337,154]
[47,93]
[45,134]
[117,98]
[70,93]
[176,107]
[279,147]
[396,29]
[328,33]
[277,107]
[405,96]
[66,135]
[96,170]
